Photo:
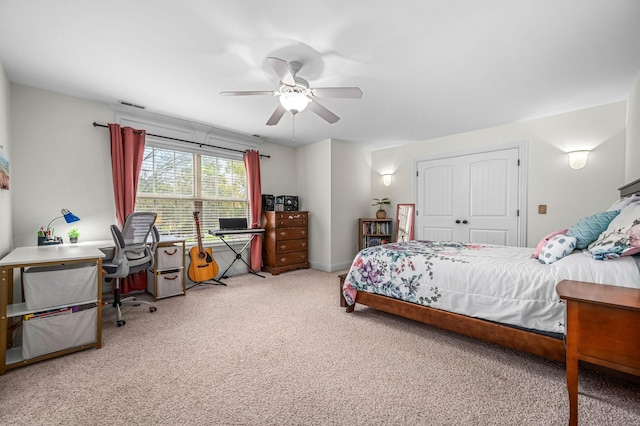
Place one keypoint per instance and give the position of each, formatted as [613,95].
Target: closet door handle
[465,221]
[458,221]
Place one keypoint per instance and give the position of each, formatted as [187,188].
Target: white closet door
[469,198]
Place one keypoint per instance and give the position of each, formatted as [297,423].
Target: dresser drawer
[291,258]
[283,234]
[292,219]
[290,246]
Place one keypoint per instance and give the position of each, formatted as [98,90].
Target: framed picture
[4,170]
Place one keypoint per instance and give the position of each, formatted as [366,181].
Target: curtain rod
[184,140]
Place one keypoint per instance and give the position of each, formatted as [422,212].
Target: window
[174,184]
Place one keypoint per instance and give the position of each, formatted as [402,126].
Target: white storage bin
[168,283]
[51,334]
[169,257]
[50,286]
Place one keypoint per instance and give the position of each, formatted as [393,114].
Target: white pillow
[622,236]
[556,248]
[624,202]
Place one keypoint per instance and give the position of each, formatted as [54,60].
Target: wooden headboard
[630,188]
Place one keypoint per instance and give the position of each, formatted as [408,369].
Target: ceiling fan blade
[323,112]
[276,116]
[281,67]
[249,93]
[337,92]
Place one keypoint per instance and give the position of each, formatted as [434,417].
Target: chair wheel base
[121,323]
[153,309]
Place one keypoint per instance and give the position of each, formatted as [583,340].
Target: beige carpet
[280,351]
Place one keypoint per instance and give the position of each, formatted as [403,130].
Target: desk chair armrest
[119,257]
[155,238]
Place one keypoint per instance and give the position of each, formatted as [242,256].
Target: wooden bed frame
[522,340]
[514,338]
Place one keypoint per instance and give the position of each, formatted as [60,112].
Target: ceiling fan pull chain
[294,128]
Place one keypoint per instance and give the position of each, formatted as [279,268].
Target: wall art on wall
[4,170]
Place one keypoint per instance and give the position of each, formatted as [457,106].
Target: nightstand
[601,329]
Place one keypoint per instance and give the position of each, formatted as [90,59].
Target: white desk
[54,255]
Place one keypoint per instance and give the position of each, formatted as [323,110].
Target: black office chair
[132,254]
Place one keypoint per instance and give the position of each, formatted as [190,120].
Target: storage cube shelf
[168,277]
[62,308]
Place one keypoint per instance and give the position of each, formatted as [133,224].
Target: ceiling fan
[295,94]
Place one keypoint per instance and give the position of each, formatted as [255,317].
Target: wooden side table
[601,329]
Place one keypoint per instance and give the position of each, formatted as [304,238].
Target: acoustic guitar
[202,267]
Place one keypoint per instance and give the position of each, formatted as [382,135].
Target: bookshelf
[373,232]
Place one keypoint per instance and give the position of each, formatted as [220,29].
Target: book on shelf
[51,313]
[376,228]
[60,311]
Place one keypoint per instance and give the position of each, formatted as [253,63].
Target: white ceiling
[427,68]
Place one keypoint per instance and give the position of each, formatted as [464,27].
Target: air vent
[129,104]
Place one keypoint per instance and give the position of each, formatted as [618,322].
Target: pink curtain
[127,150]
[252,164]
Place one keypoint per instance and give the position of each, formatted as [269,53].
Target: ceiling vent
[129,104]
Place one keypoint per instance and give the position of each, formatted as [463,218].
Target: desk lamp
[68,217]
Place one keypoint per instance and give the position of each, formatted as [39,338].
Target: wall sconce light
[578,159]
[386,179]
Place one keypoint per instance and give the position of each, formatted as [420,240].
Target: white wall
[569,194]
[60,160]
[314,190]
[334,184]
[278,172]
[632,157]
[350,199]
[5,148]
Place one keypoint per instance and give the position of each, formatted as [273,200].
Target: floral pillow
[622,236]
[544,240]
[556,248]
[587,229]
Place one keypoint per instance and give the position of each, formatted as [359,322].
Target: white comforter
[496,283]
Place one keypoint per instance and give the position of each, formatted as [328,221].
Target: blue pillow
[588,229]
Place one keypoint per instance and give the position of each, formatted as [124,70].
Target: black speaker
[268,202]
[286,203]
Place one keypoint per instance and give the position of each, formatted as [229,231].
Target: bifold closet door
[469,198]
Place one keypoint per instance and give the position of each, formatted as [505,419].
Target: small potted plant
[381,203]
[73,235]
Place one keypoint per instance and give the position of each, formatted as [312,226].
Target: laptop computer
[233,223]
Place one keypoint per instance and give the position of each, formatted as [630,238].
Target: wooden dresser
[286,241]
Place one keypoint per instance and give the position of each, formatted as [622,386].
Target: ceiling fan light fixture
[294,102]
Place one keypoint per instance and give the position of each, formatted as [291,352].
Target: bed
[496,293]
